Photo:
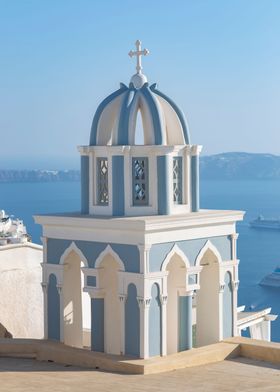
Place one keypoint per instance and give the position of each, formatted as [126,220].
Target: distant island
[240,166]
[225,166]
[39,175]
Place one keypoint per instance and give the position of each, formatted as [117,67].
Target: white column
[144,251]
[45,243]
[266,330]
[234,237]
[144,305]
[61,310]
[234,286]
[122,298]
[221,312]
[45,299]
[163,300]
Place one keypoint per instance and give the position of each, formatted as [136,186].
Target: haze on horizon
[218,60]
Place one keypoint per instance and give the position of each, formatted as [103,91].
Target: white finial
[138,53]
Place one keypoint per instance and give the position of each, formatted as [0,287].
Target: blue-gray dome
[114,122]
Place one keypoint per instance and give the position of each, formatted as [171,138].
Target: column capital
[221,288]
[59,288]
[196,150]
[186,293]
[44,286]
[144,302]
[234,236]
[144,247]
[95,293]
[163,299]
[234,285]
[122,297]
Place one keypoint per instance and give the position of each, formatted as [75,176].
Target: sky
[218,60]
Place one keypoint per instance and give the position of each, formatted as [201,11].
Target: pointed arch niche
[76,307]
[208,298]
[109,264]
[178,318]
[139,138]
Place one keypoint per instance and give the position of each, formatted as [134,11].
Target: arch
[139,130]
[53,309]
[109,251]
[179,113]
[176,264]
[175,250]
[72,298]
[208,298]
[109,284]
[79,253]
[93,135]
[207,246]
[132,322]
[155,315]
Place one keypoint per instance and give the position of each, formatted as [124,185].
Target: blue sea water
[258,251]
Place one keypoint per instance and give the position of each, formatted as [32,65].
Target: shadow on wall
[4,333]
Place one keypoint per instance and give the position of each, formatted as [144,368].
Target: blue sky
[219,60]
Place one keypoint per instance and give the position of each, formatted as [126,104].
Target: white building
[141,263]
[21,296]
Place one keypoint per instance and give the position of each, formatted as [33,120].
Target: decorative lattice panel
[140,181]
[177,180]
[102,181]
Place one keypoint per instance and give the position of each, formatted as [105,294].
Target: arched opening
[86,314]
[109,284]
[76,304]
[208,301]
[227,307]
[176,283]
[139,129]
[132,322]
[53,309]
[155,322]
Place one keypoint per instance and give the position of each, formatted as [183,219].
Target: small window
[192,279]
[91,281]
[140,181]
[102,181]
[177,180]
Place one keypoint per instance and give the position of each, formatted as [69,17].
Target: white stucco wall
[21,295]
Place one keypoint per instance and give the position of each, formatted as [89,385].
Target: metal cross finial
[138,53]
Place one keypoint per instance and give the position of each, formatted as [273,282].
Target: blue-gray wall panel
[155,322]
[132,323]
[97,324]
[191,249]
[129,254]
[84,184]
[118,185]
[163,191]
[185,323]
[91,281]
[53,309]
[195,183]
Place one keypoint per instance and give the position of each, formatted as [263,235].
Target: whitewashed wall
[21,295]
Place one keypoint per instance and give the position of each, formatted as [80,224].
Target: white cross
[138,53]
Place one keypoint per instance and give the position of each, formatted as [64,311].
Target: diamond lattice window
[140,181]
[102,181]
[177,180]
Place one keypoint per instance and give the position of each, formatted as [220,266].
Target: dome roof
[114,122]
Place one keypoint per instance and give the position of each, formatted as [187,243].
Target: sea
[258,250]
